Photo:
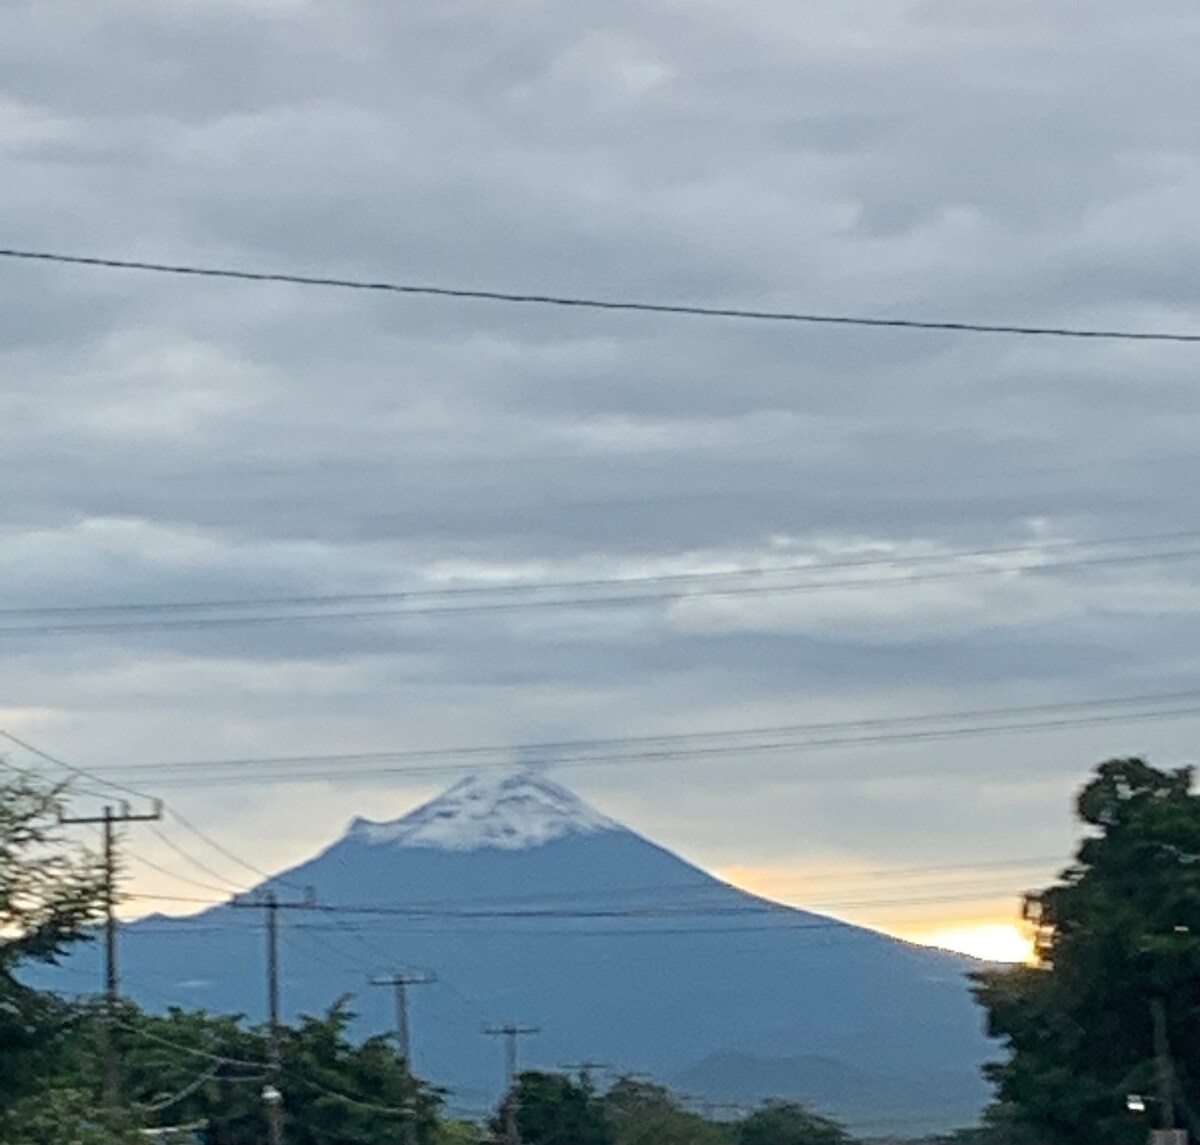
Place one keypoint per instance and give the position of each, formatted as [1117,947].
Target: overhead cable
[682,745]
[68,625]
[585,303]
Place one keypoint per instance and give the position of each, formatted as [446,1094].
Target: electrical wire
[926,874]
[227,885]
[71,768]
[679,746]
[634,581]
[185,1092]
[27,775]
[764,907]
[187,825]
[152,865]
[582,303]
[192,623]
[179,1047]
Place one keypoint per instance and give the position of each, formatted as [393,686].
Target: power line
[678,595]
[28,775]
[223,890]
[634,581]
[757,904]
[925,874]
[187,825]
[685,745]
[71,768]
[584,303]
[218,1059]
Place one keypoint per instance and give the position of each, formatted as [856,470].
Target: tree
[779,1122]
[186,1068]
[1118,938]
[49,891]
[642,1113]
[554,1110]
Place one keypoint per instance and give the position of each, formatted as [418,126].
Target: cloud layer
[173,440]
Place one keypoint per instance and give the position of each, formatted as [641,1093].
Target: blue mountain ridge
[618,949]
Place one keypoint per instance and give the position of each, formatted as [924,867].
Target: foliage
[192,1068]
[642,1113]
[458,1132]
[786,1123]
[1118,934]
[49,891]
[61,1116]
[552,1109]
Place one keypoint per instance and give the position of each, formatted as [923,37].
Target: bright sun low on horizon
[977,928]
[991,941]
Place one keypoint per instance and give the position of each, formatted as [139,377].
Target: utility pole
[510,1033]
[585,1069]
[400,982]
[268,902]
[1162,1061]
[109,821]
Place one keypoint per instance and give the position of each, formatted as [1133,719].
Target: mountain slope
[531,906]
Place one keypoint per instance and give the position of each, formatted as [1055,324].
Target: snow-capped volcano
[532,906]
[509,812]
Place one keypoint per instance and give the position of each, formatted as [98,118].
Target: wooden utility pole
[109,821]
[268,902]
[400,982]
[510,1033]
[1162,1062]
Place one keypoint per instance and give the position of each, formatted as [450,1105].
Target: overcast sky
[180,440]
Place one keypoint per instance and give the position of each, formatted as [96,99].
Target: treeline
[206,1075]
[203,1077]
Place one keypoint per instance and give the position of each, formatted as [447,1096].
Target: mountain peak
[512,812]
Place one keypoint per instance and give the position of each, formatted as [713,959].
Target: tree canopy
[552,1109]
[787,1123]
[643,1113]
[1118,939]
[49,891]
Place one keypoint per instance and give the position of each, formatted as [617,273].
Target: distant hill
[870,1101]
[532,906]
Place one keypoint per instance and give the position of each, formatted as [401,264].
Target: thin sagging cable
[189,826]
[70,767]
[585,303]
[520,588]
[219,1059]
[580,932]
[28,775]
[694,755]
[158,1105]
[186,824]
[126,853]
[677,596]
[228,887]
[909,892]
[937,874]
[691,744]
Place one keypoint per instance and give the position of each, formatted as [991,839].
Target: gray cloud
[168,440]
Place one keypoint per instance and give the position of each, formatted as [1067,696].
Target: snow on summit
[509,812]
